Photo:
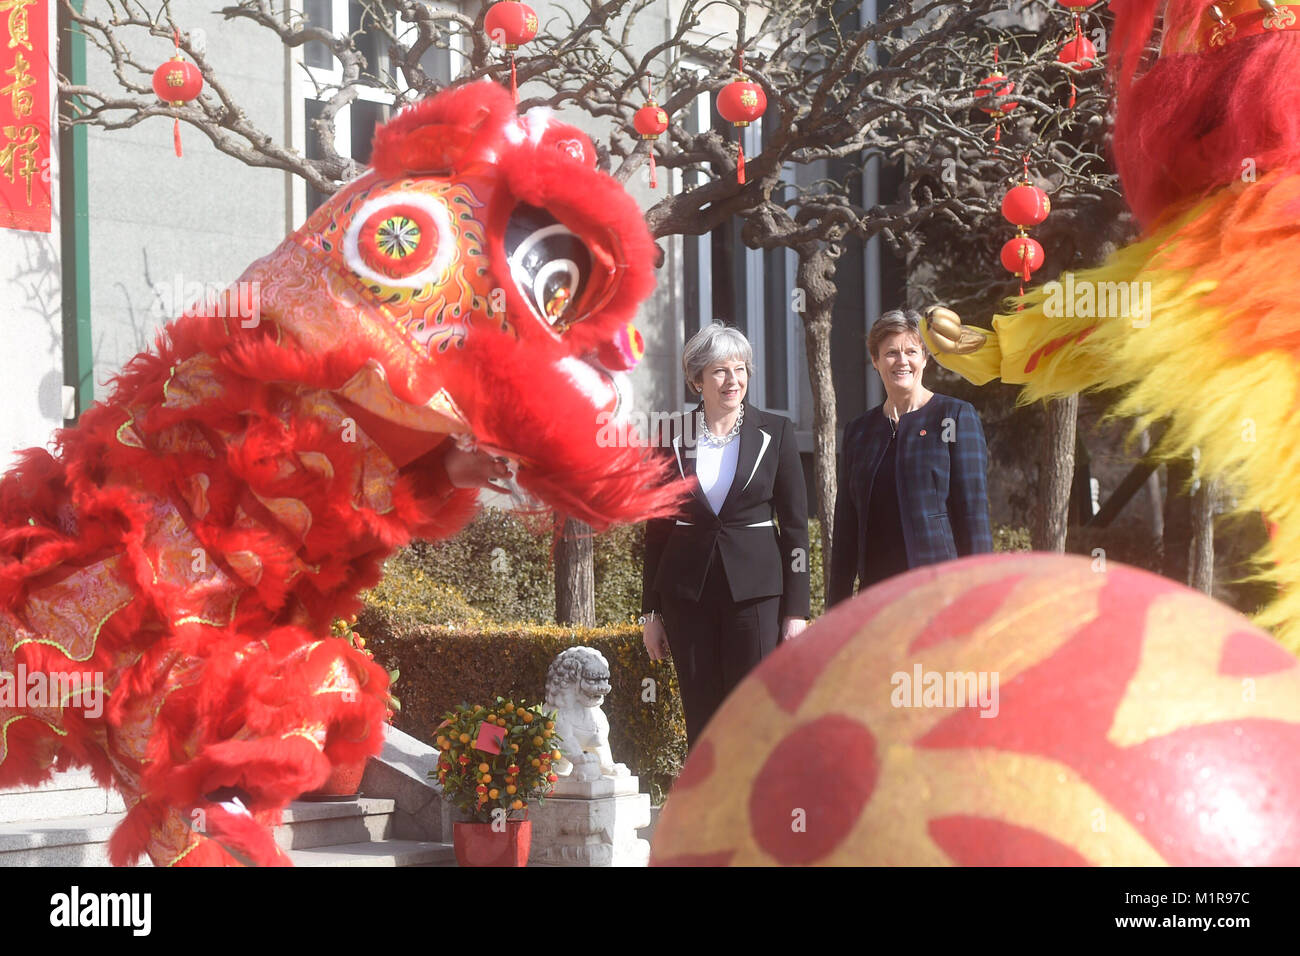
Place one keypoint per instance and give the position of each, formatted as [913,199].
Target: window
[724,280]
[354,124]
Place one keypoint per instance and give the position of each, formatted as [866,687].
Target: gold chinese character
[17,90]
[748,98]
[10,165]
[17,22]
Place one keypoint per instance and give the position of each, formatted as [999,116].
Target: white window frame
[302,87]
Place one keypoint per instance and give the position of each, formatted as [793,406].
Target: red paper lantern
[1079,52]
[650,121]
[996,84]
[1026,205]
[1023,256]
[510,24]
[741,102]
[177,82]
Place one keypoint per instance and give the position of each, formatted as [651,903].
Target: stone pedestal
[592,823]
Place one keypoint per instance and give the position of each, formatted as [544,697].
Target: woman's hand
[475,469]
[656,638]
[793,627]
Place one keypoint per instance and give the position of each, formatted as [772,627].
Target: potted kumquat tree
[494,761]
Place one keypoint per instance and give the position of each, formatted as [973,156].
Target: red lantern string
[997,120]
[650,95]
[176,123]
[740,133]
[1078,36]
[514,83]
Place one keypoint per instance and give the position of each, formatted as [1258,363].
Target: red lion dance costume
[192,539]
[1208,149]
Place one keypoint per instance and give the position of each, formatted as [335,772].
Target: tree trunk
[1154,502]
[815,284]
[1200,574]
[575,575]
[1056,476]
[1178,521]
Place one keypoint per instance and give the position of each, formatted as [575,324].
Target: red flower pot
[344,781]
[477,844]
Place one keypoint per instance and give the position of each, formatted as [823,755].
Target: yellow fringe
[1241,412]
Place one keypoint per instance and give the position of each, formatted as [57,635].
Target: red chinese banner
[24,115]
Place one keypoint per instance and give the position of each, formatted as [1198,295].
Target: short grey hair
[712,344]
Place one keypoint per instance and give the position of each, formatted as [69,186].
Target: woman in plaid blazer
[935,508]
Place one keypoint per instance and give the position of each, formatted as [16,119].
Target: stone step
[310,824]
[353,833]
[72,793]
[385,853]
[67,841]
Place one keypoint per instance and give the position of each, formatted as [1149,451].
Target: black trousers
[716,642]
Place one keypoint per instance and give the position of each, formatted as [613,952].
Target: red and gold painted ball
[1016,709]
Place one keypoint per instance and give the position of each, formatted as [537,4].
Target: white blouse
[716,469]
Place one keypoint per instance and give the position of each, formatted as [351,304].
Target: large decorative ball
[1015,709]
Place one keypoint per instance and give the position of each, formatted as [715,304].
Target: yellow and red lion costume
[1208,149]
[190,542]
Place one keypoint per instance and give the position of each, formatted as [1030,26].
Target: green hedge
[442,667]
[442,617]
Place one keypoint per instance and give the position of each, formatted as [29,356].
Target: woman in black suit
[912,486]
[727,579]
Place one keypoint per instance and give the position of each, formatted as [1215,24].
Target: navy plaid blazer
[941,466]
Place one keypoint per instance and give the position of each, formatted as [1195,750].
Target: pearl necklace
[719,441]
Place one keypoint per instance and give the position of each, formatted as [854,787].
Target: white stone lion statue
[576,685]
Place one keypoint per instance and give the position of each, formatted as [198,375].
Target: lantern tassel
[514,83]
[654,181]
[176,136]
[740,163]
[1073,94]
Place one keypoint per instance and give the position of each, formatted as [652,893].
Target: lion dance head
[480,279]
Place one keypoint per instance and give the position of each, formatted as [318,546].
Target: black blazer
[760,558]
[940,475]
